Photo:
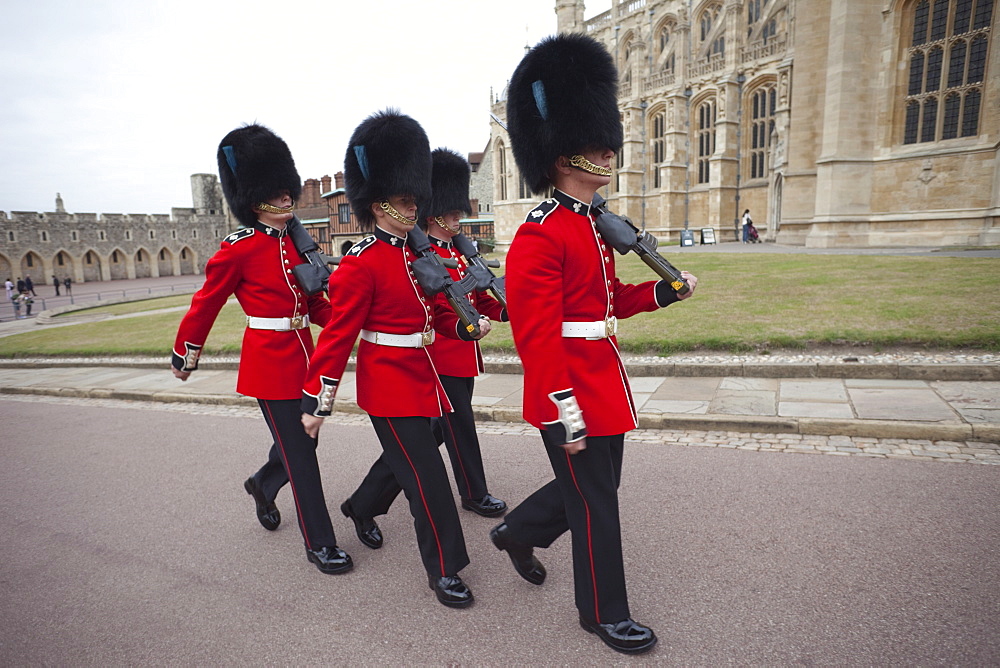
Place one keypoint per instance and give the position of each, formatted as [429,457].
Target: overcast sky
[115,103]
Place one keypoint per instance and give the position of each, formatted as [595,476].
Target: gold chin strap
[581,162]
[264,206]
[440,221]
[391,210]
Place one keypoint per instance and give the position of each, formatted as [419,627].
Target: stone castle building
[835,122]
[109,246]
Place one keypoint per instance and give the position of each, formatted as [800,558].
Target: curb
[985,432]
[879,371]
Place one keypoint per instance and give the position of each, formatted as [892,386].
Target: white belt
[418,340]
[599,329]
[278,324]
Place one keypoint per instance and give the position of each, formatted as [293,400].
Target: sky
[115,103]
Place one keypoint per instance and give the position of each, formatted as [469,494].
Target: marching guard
[459,362]
[375,294]
[565,302]
[255,263]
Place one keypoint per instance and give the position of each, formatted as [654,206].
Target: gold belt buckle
[427,338]
[297,322]
[610,326]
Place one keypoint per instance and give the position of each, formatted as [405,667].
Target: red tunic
[374,289]
[454,357]
[559,269]
[256,264]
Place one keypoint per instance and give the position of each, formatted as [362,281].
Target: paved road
[128,540]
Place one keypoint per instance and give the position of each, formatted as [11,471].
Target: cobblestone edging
[921,450]
[901,366]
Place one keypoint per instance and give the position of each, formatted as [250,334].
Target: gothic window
[947,57]
[659,131]
[706,139]
[619,164]
[11,236]
[950,123]
[664,37]
[522,188]
[502,171]
[114,256]
[761,124]
[60,259]
[89,258]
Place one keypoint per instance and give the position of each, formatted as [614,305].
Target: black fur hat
[450,174]
[388,155]
[255,165]
[562,100]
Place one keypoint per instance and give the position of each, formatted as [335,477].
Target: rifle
[429,269]
[624,237]
[487,280]
[314,275]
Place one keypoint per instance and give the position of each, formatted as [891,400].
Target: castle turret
[205,193]
[569,16]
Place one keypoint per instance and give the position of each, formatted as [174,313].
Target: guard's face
[452,222]
[282,200]
[406,206]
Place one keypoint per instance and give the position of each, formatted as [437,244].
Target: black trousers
[411,460]
[583,498]
[461,440]
[293,460]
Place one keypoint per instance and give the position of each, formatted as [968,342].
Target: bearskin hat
[562,99]
[255,165]
[388,155]
[450,174]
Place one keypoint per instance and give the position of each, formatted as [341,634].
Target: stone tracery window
[659,146]
[706,139]
[947,54]
[762,104]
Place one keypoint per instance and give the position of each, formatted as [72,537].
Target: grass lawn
[743,302]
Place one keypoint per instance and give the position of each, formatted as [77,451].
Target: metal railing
[7,311]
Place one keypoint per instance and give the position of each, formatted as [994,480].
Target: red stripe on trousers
[298,509]
[590,541]
[420,488]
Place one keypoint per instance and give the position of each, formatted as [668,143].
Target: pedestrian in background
[9,287]
[68,283]
[55,284]
[747,222]
[29,285]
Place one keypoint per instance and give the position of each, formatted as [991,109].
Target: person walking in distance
[565,301]
[55,284]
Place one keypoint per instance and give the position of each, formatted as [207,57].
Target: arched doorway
[165,262]
[143,266]
[118,265]
[31,265]
[62,266]
[346,246]
[91,266]
[187,261]
[6,269]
